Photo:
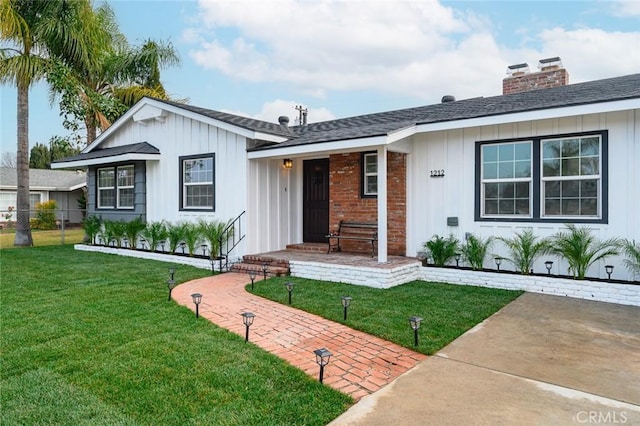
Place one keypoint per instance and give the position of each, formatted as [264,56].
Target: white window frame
[560,178]
[367,175]
[208,183]
[99,188]
[119,187]
[484,181]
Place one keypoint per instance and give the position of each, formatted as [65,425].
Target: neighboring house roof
[44,180]
[379,124]
[136,151]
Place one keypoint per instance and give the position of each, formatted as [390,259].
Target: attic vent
[448,98]
[283,120]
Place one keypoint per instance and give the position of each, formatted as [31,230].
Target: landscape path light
[289,286]
[346,301]
[498,261]
[247,320]
[172,272]
[204,248]
[415,325]
[170,284]
[322,358]
[161,245]
[197,298]
[144,243]
[182,246]
[265,269]
[548,264]
[609,270]
[252,274]
[457,257]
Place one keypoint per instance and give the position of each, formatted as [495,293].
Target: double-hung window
[115,187]
[197,182]
[551,178]
[369,174]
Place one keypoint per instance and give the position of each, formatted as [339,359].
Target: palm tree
[631,250]
[581,249]
[40,34]
[524,248]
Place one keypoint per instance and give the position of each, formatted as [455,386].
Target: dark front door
[315,204]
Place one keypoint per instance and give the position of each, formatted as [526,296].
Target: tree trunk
[91,129]
[23,227]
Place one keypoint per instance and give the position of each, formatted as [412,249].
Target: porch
[311,260]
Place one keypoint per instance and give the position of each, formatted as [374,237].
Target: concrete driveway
[542,360]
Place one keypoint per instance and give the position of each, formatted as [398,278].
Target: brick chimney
[551,74]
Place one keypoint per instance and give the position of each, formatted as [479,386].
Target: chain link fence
[48,226]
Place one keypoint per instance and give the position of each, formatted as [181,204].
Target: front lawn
[447,310]
[44,238]
[90,338]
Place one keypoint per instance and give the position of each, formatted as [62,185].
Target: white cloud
[626,8]
[418,49]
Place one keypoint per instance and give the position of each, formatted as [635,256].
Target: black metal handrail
[230,238]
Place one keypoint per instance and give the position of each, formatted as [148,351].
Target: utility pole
[302,115]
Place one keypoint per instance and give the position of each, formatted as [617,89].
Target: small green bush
[475,249]
[441,249]
[524,248]
[581,249]
[45,215]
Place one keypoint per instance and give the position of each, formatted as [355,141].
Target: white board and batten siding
[274,205]
[176,136]
[432,200]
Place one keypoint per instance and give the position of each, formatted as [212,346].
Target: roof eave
[106,160]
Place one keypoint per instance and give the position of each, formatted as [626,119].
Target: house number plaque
[437,173]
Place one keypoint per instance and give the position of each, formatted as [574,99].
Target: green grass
[448,310]
[43,238]
[90,338]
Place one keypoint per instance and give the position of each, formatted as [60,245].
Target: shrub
[441,249]
[631,250]
[213,232]
[92,226]
[45,215]
[154,233]
[524,249]
[475,249]
[175,233]
[581,249]
[114,231]
[132,231]
[192,237]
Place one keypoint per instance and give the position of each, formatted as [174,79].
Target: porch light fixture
[265,268]
[252,274]
[609,271]
[457,257]
[197,298]
[247,320]
[498,261]
[322,358]
[287,163]
[346,301]
[289,286]
[414,322]
[548,264]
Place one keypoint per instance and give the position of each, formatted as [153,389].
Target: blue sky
[344,58]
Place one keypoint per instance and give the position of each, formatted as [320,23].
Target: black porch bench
[352,230]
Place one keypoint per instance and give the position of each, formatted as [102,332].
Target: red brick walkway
[361,364]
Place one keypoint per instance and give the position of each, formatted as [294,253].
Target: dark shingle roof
[236,120]
[60,180]
[136,148]
[370,125]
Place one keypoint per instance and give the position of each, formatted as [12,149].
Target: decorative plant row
[174,238]
[576,245]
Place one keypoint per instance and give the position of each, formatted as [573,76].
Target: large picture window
[115,187]
[552,178]
[197,182]
[369,174]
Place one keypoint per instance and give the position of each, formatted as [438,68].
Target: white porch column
[382,204]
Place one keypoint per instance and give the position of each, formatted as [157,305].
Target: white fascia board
[400,134]
[107,160]
[78,186]
[322,147]
[543,114]
[117,124]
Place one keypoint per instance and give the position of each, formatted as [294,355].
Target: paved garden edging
[624,294]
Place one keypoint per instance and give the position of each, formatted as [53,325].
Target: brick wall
[346,202]
[524,82]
